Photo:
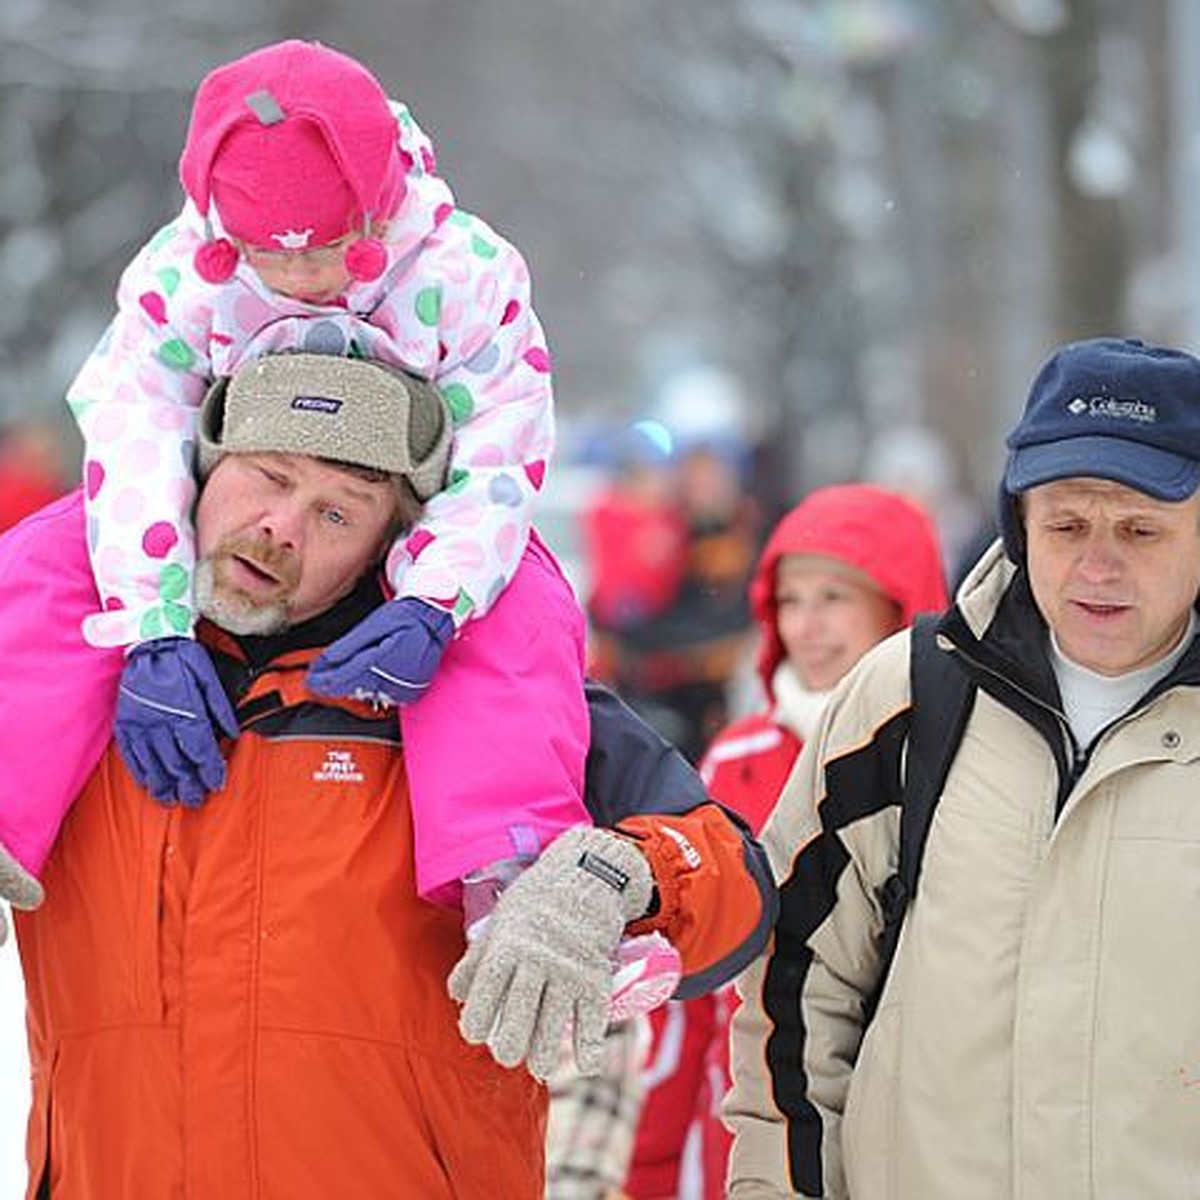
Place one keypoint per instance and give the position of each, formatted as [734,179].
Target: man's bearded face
[246,583]
[282,537]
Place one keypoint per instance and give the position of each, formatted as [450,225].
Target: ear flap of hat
[210,428]
[1008,513]
[215,111]
[430,432]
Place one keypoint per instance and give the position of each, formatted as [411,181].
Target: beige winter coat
[1038,1037]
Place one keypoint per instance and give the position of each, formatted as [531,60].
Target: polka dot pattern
[460,401]
[503,489]
[93,478]
[483,247]
[324,337]
[510,541]
[128,505]
[140,457]
[485,361]
[108,425]
[159,538]
[154,306]
[428,305]
[418,542]
[538,357]
[177,354]
[169,418]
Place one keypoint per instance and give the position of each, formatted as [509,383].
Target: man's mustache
[263,554]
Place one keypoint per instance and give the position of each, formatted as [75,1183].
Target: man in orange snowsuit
[247,1000]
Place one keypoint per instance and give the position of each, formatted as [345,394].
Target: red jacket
[247,1001]
[748,763]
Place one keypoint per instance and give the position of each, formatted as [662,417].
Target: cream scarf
[796,708]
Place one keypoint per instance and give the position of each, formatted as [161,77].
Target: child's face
[317,275]
[829,614]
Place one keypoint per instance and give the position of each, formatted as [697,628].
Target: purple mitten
[389,657]
[170,710]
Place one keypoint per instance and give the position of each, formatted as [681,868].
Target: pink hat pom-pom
[366,259]
[215,262]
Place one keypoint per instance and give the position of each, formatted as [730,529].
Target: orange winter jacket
[247,1001]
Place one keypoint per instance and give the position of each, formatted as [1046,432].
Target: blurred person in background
[848,566]
[635,538]
[672,643]
[670,547]
[31,469]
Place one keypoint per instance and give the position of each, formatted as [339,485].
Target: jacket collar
[314,634]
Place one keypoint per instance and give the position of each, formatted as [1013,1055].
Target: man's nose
[1099,558]
[283,524]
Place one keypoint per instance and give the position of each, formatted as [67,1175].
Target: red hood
[888,536]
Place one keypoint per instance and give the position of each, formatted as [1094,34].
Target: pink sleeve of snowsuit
[59,694]
[495,750]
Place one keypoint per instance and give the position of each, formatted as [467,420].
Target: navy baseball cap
[1107,408]
[1114,409]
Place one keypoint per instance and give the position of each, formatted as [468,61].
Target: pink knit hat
[294,145]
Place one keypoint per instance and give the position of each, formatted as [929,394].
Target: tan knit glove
[17,886]
[543,965]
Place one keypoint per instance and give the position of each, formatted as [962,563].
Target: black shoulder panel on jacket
[312,722]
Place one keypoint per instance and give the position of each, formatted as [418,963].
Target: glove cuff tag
[604,870]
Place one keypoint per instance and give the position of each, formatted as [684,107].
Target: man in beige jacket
[1038,1032]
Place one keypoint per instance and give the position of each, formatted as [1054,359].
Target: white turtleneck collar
[796,708]
[1092,701]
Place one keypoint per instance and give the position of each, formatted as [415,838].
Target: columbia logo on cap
[323,404]
[1113,409]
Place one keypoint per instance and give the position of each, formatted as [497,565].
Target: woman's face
[829,615]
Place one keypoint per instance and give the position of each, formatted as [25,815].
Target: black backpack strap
[942,699]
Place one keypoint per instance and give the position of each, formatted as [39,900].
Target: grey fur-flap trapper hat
[368,414]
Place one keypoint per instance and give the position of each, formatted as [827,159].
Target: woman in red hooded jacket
[848,566]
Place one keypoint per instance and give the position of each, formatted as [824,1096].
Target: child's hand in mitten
[389,657]
[171,710]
